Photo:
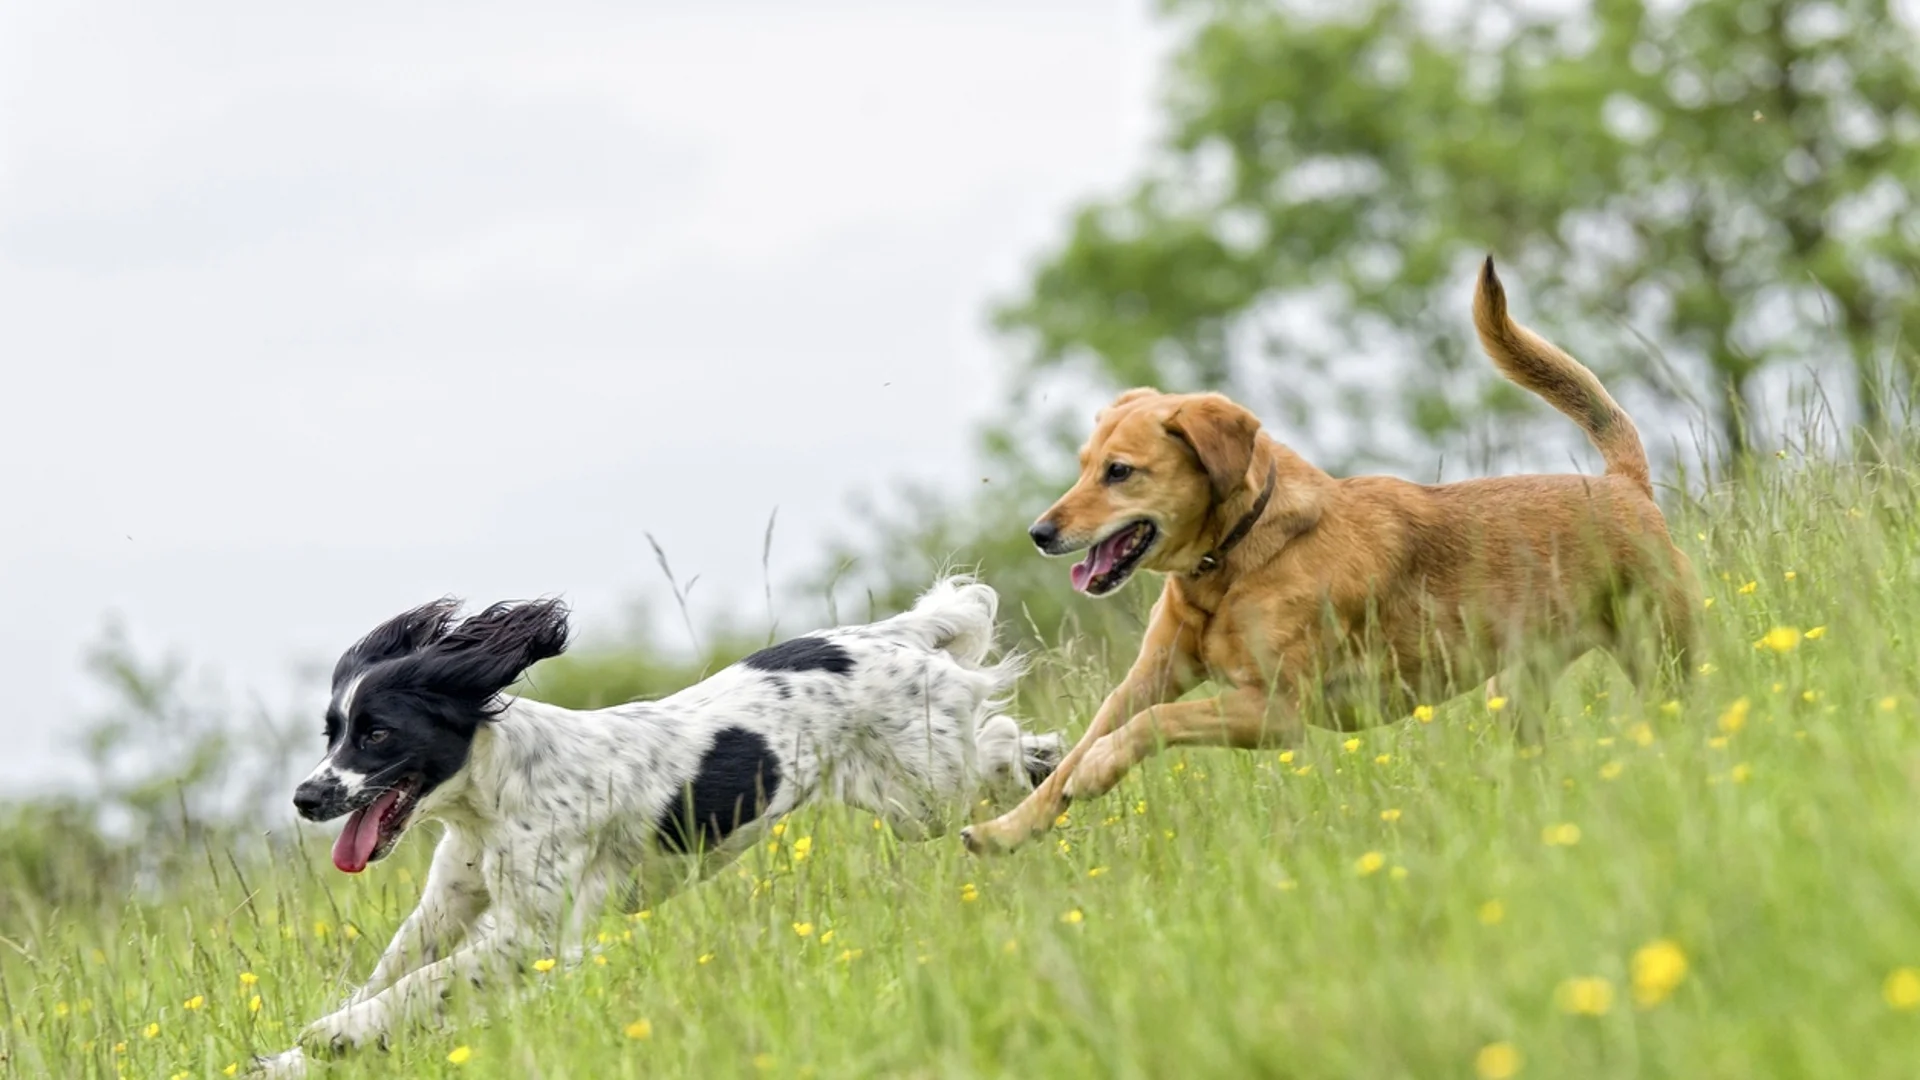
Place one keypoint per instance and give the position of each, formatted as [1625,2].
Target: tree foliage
[1725,177]
[1693,197]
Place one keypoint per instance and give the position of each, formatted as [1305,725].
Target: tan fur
[1354,599]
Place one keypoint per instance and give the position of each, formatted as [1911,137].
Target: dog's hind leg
[1013,761]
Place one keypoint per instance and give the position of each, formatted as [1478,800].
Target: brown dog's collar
[1212,559]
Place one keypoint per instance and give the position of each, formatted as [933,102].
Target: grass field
[1725,887]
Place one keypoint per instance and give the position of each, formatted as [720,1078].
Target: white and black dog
[549,812]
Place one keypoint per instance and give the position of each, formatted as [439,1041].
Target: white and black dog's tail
[955,615]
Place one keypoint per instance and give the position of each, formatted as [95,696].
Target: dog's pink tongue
[362,834]
[1098,561]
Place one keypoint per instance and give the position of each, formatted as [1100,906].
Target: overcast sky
[309,314]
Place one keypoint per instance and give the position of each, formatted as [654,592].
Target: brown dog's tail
[1542,367]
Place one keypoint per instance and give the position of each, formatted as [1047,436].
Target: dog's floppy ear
[402,635]
[488,652]
[1220,434]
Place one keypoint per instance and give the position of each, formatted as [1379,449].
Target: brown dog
[1296,590]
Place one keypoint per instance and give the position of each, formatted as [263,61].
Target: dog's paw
[1041,755]
[287,1065]
[1003,834]
[353,1027]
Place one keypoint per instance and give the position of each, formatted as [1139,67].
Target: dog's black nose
[1043,534]
[308,799]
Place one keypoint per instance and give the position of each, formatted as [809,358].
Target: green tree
[1687,196]
[1726,177]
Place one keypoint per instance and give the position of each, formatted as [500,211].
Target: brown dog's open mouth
[1112,560]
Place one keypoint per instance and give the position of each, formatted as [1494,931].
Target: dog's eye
[1118,471]
[377,735]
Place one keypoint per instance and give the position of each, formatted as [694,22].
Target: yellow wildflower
[151,1030]
[1641,733]
[193,1003]
[1565,834]
[1073,918]
[1816,633]
[1423,713]
[1369,863]
[764,1062]
[460,1055]
[1096,871]
[1781,639]
[248,978]
[802,848]
[1286,757]
[1398,873]
[1063,821]
[1588,996]
[1789,575]
[1498,1061]
[1140,807]
[1492,913]
[705,958]
[1735,717]
[1741,773]
[544,965]
[1748,588]
[1708,668]
[804,929]
[1809,696]
[253,1004]
[1611,770]
[1351,745]
[599,960]
[1888,704]
[1495,704]
[232,1069]
[640,1029]
[1303,770]
[779,828]
[320,928]
[1389,816]
[1707,603]
[1383,759]
[1902,989]
[826,937]
[968,894]
[1718,742]
[1658,968]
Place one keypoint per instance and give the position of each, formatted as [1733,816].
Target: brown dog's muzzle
[1046,536]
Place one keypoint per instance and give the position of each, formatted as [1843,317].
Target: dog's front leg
[1165,669]
[1245,718]
[368,1022]
[454,896]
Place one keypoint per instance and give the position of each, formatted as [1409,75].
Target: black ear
[487,653]
[399,636]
